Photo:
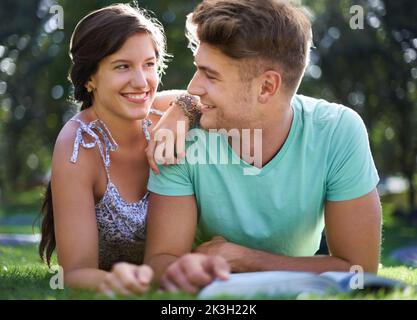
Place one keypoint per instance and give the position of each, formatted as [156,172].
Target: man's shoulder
[323,112]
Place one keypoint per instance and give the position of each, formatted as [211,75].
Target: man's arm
[171,229]
[353,230]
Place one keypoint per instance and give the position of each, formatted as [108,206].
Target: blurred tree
[34,89]
[24,56]
[372,70]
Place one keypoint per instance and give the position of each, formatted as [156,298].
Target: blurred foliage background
[371,69]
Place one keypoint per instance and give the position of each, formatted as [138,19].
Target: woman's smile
[137,97]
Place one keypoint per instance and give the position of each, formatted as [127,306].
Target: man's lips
[206,108]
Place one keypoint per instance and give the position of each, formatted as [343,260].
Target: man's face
[228,102]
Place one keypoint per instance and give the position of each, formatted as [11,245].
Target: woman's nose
[139,79]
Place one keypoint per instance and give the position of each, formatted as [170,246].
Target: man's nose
[195,88]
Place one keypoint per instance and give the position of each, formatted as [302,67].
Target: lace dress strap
[95,130]
[157,112]
[146,123]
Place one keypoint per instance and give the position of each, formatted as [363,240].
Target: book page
[270,283]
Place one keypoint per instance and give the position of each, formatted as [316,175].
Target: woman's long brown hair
[98,35]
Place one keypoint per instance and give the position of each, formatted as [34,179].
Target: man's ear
[270,84]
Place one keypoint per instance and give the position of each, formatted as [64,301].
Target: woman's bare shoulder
[66,144]
[68,132]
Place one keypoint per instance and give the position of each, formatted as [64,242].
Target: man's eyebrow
[208,70]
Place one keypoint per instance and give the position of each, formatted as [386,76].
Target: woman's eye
[150,64]
[122,67]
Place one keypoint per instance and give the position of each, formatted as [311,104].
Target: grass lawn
[24,276]
[21,229]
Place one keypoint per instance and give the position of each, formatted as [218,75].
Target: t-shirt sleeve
[172,180]
[352,172]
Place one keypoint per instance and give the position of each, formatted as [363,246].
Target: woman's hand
[127,279]
[167,145]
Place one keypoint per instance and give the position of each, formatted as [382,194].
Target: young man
[316,170]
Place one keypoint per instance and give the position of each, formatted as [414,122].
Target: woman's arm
[75,223]
[167,145]
[74,213]
[163,99]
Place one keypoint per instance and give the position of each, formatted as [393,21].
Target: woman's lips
[136,97]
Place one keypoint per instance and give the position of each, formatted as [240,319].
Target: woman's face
[126,81]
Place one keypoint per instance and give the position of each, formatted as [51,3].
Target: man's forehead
[205,50]
[211,57]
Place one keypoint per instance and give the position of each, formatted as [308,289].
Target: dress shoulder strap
[157,112]
[94,129]
[146,123]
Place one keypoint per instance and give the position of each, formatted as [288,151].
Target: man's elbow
[357,264]
[368,266]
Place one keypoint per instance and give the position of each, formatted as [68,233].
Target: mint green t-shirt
[326,157]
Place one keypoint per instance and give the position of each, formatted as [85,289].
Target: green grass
[24,276]
[24,202]
[22,229]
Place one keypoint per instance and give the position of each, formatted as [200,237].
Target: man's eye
[150,64]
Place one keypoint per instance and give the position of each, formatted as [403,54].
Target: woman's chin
[141,115]
[138,113]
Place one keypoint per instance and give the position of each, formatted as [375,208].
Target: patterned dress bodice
[121,225]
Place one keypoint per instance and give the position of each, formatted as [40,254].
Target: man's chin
[206,124]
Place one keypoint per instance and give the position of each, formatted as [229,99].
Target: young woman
[96,203]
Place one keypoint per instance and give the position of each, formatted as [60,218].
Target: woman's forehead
[138,46]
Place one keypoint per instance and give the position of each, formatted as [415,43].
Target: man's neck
[275,135]
[261,148]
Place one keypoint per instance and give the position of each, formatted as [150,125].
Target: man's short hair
[270,34]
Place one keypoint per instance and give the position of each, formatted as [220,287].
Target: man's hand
[127,279]
[219,246]
[216,246]
[193,271]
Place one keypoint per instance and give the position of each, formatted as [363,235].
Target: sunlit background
[371,69]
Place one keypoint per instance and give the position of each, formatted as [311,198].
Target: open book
[291,283]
